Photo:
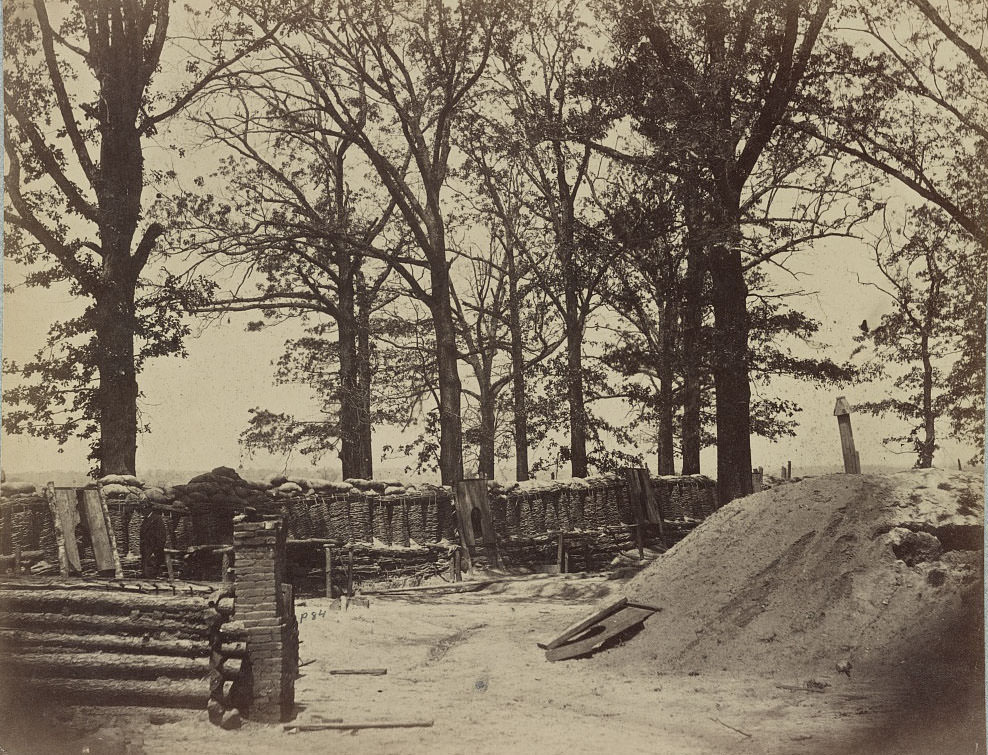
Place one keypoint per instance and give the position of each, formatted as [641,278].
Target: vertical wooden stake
[328,552]
[789,469]
[958,465]
[226,577]
[852,462]
[560,553]
[349,575]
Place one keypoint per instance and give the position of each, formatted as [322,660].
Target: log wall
[109,643]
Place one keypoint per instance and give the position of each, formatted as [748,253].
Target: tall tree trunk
[117,392]
[574,385]
[665,451]
[692,324]
[928,445]
[485,465]
[351,441]
[447,359]
[519,398]
[364,387]
[119,200]
[730,367]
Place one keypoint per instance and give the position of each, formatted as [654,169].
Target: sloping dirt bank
[881,574]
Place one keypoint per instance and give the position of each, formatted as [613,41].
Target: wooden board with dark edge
[101,532]
[65,517]
[583,624]
[600,632]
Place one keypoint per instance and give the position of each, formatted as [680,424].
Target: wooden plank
[847,444]
[574,629]
[357,725]
[653,509]
[470,496]
[100,532]
[65,516]
[599,632]
[328,553]
[358,671]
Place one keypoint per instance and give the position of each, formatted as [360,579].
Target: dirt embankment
[883,572]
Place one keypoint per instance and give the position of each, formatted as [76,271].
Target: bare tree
[79,107]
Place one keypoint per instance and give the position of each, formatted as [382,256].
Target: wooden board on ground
[101,532]
[600,632]
[65,516]
[574,629]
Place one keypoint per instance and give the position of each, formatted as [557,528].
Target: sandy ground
[761,599]
[470,664]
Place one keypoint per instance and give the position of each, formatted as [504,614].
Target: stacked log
[229,679]
[110,643]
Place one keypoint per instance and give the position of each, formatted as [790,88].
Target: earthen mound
[882,573]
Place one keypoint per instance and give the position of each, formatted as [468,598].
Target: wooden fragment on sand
[345,726]
[358,671]
[599,632]
[583,624]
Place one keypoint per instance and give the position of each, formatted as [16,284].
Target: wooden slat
[101,532]
[574,629]
[599,632]
[65,516]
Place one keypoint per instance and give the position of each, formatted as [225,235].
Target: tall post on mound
[852,462]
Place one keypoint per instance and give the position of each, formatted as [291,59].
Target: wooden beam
[852,462]
[328,552]
[65,516]
[583,624]
[357,725]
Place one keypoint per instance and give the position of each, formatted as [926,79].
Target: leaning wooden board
[600,632]
[101,532]
[65,516]
[583,624]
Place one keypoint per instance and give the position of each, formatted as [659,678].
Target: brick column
[272,646]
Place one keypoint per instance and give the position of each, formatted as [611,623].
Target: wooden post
[470,495]
[65,517]
[349,574]
[958,465]
[644,504]
[458,565]
[561,553]
[842,410]
[328,552]
[789,469]
[782,474]
[226,577]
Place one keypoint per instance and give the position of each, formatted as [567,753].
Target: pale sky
[197,407]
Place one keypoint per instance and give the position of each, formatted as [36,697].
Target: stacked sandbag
[220,487]
[212,499]
[525,509]
[686,496]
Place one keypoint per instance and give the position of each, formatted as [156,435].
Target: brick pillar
[272,644]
